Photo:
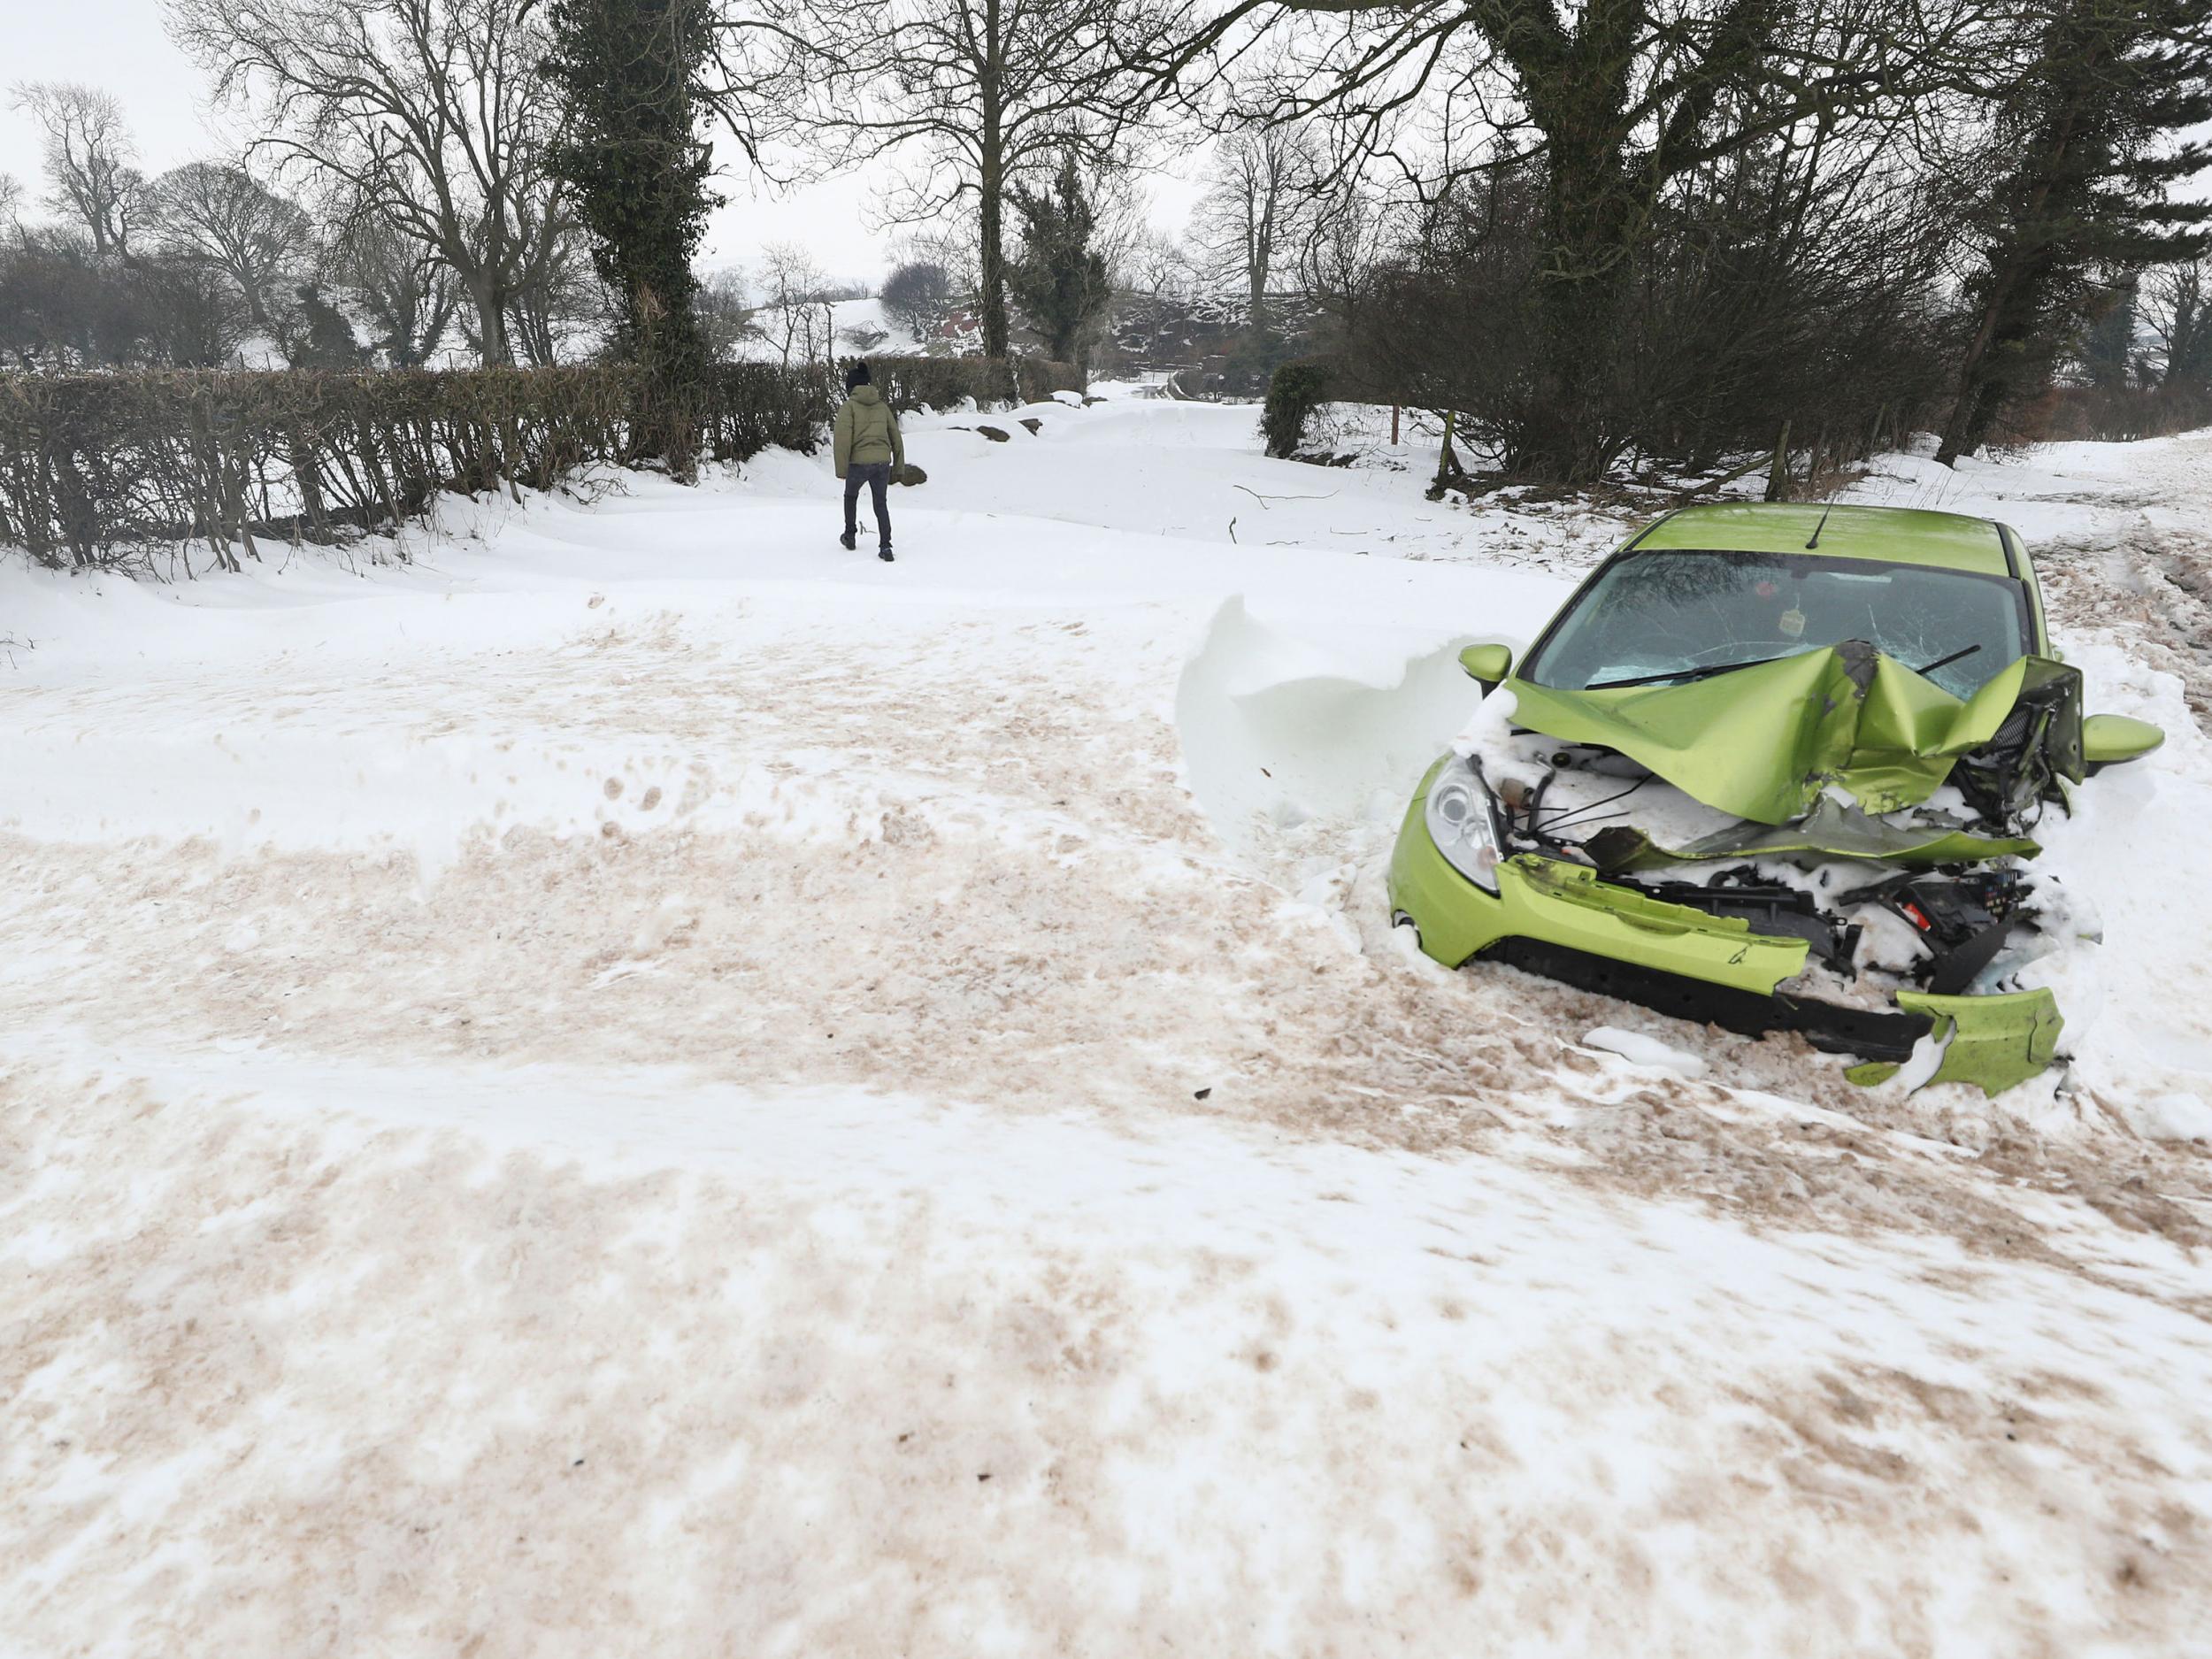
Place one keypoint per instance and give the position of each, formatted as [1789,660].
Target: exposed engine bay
[1872,927]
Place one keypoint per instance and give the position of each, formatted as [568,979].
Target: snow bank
[1277,730]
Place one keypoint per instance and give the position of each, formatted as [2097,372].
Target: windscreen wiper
[1944,662]
[1710,668]
[1706,672]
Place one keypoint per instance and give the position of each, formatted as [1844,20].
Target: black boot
[849,541]
[884,552]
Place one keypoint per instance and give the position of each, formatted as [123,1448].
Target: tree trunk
[1577,97]
[1956,430]
[992,259]
[307,478]
[491,321]
[207,483]
[1570,435]
[1778,469]
[257,303]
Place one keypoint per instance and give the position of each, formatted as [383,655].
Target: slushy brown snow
[641,1085]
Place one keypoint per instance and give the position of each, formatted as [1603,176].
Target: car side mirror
[1489,663]
[2108,739]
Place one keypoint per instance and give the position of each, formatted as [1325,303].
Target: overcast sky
[120,45]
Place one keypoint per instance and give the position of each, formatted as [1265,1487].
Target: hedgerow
[102,470]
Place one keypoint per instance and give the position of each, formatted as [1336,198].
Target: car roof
[1907,535]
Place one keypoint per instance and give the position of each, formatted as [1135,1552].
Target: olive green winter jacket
[867,431]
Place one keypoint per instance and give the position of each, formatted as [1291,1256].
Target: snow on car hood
[1767,742]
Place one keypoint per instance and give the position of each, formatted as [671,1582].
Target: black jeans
[877,476]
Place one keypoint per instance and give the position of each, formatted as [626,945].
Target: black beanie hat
[857,375]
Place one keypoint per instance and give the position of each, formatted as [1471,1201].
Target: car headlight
[1458,816]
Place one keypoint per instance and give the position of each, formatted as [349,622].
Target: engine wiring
[1962,920]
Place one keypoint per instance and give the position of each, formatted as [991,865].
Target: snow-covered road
[644,1084]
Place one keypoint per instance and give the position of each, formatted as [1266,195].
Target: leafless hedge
[939,382]
[102,470]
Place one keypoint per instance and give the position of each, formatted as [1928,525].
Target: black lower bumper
[1856,1031]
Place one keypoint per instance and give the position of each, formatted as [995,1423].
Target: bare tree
[1342,244]
[2178,311]
[984,94]
[409,295]
[435,115]
[1155,266]
[11,198]
[1264,199]
[918,296]
[1154,283]
[225,218]
[795,315]
[88,154]
[722,308]
[558,296]
[948,244]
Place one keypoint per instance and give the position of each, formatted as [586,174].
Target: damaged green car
[1778,768]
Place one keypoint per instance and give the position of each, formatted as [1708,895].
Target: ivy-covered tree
[630,75]
[2093,126]
[1060,279]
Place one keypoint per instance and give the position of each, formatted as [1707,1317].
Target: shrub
[1293,393]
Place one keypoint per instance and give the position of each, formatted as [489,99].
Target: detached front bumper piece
[1561,921]
[1995,1041]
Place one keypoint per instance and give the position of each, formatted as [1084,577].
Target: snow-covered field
[826,329]
[642,1084]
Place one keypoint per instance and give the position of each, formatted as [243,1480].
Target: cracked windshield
[1663,617]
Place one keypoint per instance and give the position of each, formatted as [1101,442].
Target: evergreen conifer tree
[2093,127]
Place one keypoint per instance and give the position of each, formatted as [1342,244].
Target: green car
[1778,767]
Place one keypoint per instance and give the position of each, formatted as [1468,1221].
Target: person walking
[870,451]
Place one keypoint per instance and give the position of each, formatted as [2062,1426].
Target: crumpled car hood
[1766,742]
